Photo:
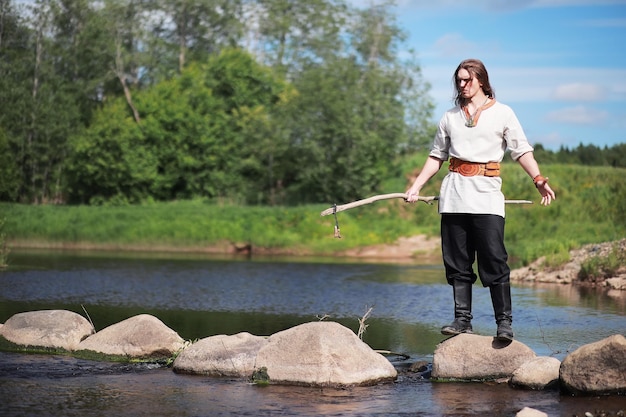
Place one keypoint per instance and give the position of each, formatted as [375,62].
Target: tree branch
[427,200]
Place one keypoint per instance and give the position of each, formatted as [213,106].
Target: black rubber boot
[501,299]
[462,309]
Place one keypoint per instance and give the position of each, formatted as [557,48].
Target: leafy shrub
[599,267]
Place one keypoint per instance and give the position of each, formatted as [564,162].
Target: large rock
[596,368]
[616,283]
[143,336]
[47,328]
[221,355]
[538,374]
[474,357]
[322,354]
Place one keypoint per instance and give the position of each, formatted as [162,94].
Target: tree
[125,20]
[192,30]
[290,35]
[191,141]
[375,42]
[345,132]
[38,111]
[352,115]
[51,80]
[9,174]
[616,155]
[81,48]
[15,63]
[158,76]
[107,161]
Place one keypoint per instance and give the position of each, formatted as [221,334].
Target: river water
[200,296]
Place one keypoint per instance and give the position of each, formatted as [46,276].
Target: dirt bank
[407,249]
[428,249]
[568,273]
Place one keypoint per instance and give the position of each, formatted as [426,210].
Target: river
[200,296]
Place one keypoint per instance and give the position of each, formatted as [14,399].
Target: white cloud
[493,5]
[580,115]
[579,92]
[541,84]
[535,85]
[453,45]
[569,3]
[489,5]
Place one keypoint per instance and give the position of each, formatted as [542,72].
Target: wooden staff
[427,200]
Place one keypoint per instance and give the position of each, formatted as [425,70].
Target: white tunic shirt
[497,129]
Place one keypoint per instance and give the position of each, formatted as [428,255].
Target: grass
[4,249]
[197,224]
[599,267]
[590,208]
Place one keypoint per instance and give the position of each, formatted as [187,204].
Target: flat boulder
[56,329]
[324,354]
[538,374]
[596,368]
[473,357]
[142,337]
[221,355]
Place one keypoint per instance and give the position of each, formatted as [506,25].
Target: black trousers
[467,237]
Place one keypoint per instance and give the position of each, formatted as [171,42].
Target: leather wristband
[540,178]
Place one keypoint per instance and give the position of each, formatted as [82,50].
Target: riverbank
[418,248]
[597,265]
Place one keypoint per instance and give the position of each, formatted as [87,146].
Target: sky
[560,64]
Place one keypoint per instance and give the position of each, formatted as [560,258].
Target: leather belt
[469,169]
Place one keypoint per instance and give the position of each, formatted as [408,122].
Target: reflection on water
[200,297]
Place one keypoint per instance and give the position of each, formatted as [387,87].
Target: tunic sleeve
[441,145]
[515,137]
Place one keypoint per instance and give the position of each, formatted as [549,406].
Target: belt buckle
[468,169]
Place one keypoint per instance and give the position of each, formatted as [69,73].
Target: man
[474,135]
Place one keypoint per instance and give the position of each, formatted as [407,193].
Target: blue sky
[560,64]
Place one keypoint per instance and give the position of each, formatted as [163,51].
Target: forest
[251,102]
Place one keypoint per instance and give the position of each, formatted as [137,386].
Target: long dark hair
[478,70]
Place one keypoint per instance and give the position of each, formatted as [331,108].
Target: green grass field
[590,208]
